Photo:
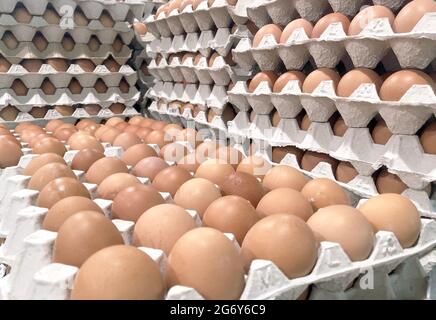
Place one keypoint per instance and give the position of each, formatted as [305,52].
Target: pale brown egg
[207,149]
[118,44]
[83,234]
[269,29]
[21,14]
[40,42]
[339,127]
[189,135]
[214,170]
[400,216]
[387,182]
[161,226]
[94,44]
[172,131]
[411,13]
[79,18]
[381,133]
[80,140]
[103,168]
[170,179]
[31,65]
[284,176]
[286,77]
[126,140]
[311,159]
[206,260]
[254,165]
[244,185]
[136,153]
[327,20]
[346,226]
[323,192]
[50,145]
[190,162]
[106,19]
[114,121]
[284,239]
[41,161]
[184,4]
[140,28]
[158,125]
[38,112]
[117,108]
[65,208]
[397,84]
[51,16]
[351,81]
[10,153]
[9,40]
[83,123]
[173,152]
[173,5]
[278,153]
[85,158]
[136,120]
[113,184]
[91,128]
[47,173]
[92,109]
[317,76]
[157,137]
[294,25]
[110,134]
[265,76]
[275,119]
[68,43]
[229,155]
[65,111]
[362,19]
[29,133]
[52,125]
[130,274]
[428,139]
[64,133]
[149,167]
[9,137]
[23,126]
[9,113]
[58,189]
[345,172]
[130,203]
[58,64]
[37,138]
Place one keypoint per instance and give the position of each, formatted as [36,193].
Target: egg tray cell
[27,50]
[119,11]
[367,49]
[62,79]
[406,116]
[219,15]
[282,12]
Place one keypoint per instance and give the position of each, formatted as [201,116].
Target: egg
[94,44]
[111,65]
[37,138]
[110,134]
[346,226]
[157,137]
[4,65]
[100,86]
[255,165]
[397,84]
[170,179]
[206,260]
[339,127]
[227,115]
[131,202]
[140,28]
[244,185]
[327,20]
[142,133]
[149,167]
[58,189]
[66,208]
[103,168]
[161,226]
[189,135]
[191,162]
[428,139]
[63,134]
[229,155]
[23,126]
[83,234]
[400,216]
[51,16]
[172,130]
[65,111]
[284,239]
[284,176]
[173,152]
[136,120]
[311,159]
[345,172]
[365,16]
[196,3]
[214,170]
[29,133]
[38,112]
[58,64]
[269,29]
[85,158]
[114,121]
[9,40]
[10,153]
[92,109]
[136,153]
[184,4]
[113,184]
[278,153]
[158,125]
[48,88]
[52,125]
[381,133]
[207,149]
[286,77]
[9,113]
[106,19]
[21,14]
[323,192]
[83,123]
[265,76]
[317,76]
[50,145]
[47,173]
[19,88]
[173,5]
[118,44]
[294,25]
[126,140]
[40,161]
[79,18]
[75,87]
[68,43]
[31,65]
[130,274]
[79,141]
[387,182]
[5,132]
[351,81]
[411,13]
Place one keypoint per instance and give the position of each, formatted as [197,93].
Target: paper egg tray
[282,12]
[375,42]
[119,11]
[406,116]
[27,50]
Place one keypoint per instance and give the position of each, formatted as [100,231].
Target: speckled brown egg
[170,179]
[103,168]
[149,167]
[136,153]
[284,176]
[112,185]
[58,189]
[85,158]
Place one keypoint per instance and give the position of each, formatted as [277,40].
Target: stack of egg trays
[121,13]
[404,118]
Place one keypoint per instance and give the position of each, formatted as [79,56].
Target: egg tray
[119,11]
[406,116]
[282,12]
[61,79]
[27,50]
[375,42]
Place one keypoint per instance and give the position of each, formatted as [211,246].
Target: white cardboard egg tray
[93,9]
[27,50]
[62,79]
[282,12]
[375,42]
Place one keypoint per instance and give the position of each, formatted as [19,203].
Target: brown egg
[5,132]
[229,155]
[284,176]
[111,65]
[47,173]
[161,226]
[114,121]
[118,44]
[140,28]
[339,127]
[173,5]
[29,133]
[66,111]
[60,65]
[389,183]
[52,125]
[75,87]
[9,40]
[136,153]
[184,4]
[40,42]
[21,14]
[278,153]
[68,43]
[362,19]
[79,18]
[345,172]
[207,149]
[130,274]
[172,130]
[50,145]
[190,162]
[19,88]
[206,260]
[173,152]
[130,128]
[254,165]
[94,44]
[23,126]
[196,3]
[157,137]
[323,192]
[4,65]
[51,16]
[284,239]
[311,159]
[351,81]
[269,29]
[158,125]
[294,25]
[283,80]
[48,88]
[317,76]
[36,139]
[83,234]
[327,20]
[40,161]
[31,65]
[79,141]
[103,168]
[65,208]
[400,216]
[10,153]
[397,84]
[170,179]
[346,226]
[227,115]
[112,185]
[63,134]
[83,123]
[91,129]
[381,133]
[38,112]
[411,13]
[267,76]
[214,170]
[189,135]
[85,158]
[126,140]
[110,134]
[275,119]
[58,189]
[9,113]
[428,139]
[149,167]
[10,138]
[244,185]
[106,19]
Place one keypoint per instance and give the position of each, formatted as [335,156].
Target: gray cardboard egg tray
[27,50]
[62,79]
[367,49]
[282,12]
[92,9]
